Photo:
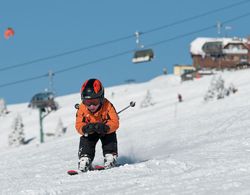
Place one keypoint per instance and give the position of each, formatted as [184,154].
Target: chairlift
[45,103]
[142,55]
[43,100]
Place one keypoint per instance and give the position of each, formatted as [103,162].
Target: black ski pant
[87,144]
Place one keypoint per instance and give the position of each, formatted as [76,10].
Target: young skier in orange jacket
[96,119]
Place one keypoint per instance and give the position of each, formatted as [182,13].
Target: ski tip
[99,167]
[72,172]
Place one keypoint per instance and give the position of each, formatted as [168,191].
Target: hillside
[192,147]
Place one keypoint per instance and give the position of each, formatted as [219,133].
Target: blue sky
[51,27]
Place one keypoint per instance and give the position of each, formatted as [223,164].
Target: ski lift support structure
[45,103]
[141,54]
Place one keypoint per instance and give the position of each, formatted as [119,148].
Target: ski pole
[131,104]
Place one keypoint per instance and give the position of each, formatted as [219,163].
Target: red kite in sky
[9,32]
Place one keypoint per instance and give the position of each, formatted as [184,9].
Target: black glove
[89,128]
[101,128]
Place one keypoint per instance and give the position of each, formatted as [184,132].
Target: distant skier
[180,98]
[96,119]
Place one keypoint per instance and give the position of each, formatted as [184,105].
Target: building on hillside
[220,53]
[180,69]
[186,72]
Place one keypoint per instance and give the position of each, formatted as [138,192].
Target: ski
[95,168]
[99,167]
[73,172]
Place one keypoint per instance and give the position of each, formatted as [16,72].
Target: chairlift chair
[43,100]
[143,55]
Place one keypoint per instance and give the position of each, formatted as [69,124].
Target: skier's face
[93,108]
[92,104]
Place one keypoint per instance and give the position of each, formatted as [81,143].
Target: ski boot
[84,164]
[109,161]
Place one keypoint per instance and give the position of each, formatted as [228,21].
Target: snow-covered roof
[196,45]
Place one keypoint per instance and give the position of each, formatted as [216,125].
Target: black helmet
[91,89]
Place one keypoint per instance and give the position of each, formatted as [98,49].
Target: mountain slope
[193,147]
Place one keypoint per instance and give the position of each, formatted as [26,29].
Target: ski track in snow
[191,147]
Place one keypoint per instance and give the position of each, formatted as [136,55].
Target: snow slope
[191,147]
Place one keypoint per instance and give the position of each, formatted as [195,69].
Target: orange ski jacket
[106,114]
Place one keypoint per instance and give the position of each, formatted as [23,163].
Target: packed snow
[165,146]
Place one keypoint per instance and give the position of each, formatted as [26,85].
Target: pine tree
[60,130]
[216,89]
[3,108]
[147,101]
[17,137]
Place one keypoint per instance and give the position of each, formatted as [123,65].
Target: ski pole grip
[77,106]
[131,104]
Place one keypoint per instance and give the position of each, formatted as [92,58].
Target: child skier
[96,119]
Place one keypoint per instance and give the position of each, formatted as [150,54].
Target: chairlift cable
[23,80]
[122,38]
[65,53]
[195,17]
[125,52]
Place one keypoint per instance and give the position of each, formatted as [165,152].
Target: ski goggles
[89,102]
